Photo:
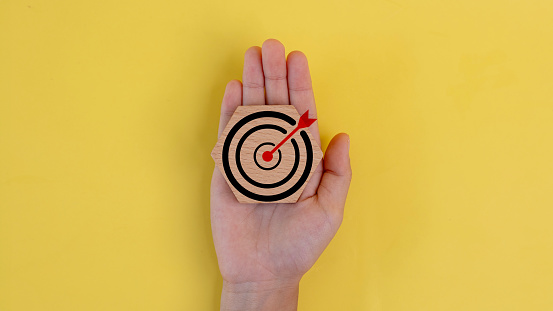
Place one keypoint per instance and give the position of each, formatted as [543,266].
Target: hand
[263,250]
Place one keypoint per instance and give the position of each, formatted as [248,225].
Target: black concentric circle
[257,163]
[256,196]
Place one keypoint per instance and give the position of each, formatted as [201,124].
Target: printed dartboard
[267,154]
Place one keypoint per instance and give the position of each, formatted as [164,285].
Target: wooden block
[267,153]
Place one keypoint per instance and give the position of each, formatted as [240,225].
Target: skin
[263,250]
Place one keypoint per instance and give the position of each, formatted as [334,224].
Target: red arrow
[303,122]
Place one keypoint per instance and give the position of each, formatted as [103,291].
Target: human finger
[301,89]
[274,70]
[334,186]
[252,78]
[231,100]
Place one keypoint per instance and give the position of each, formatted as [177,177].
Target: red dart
[303,122]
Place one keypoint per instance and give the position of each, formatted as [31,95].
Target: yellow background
[109,111]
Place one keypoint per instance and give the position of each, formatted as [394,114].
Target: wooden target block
[267,153]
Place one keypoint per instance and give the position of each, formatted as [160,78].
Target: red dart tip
[305,121]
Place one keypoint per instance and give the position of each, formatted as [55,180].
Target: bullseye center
[267,156]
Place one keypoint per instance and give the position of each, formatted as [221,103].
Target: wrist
[260,295]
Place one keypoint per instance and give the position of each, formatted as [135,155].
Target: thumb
[334,185]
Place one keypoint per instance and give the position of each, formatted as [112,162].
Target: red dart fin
[305,121]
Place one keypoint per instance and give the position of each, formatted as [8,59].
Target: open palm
[277,242]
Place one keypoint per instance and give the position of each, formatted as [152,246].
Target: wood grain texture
[249,133]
